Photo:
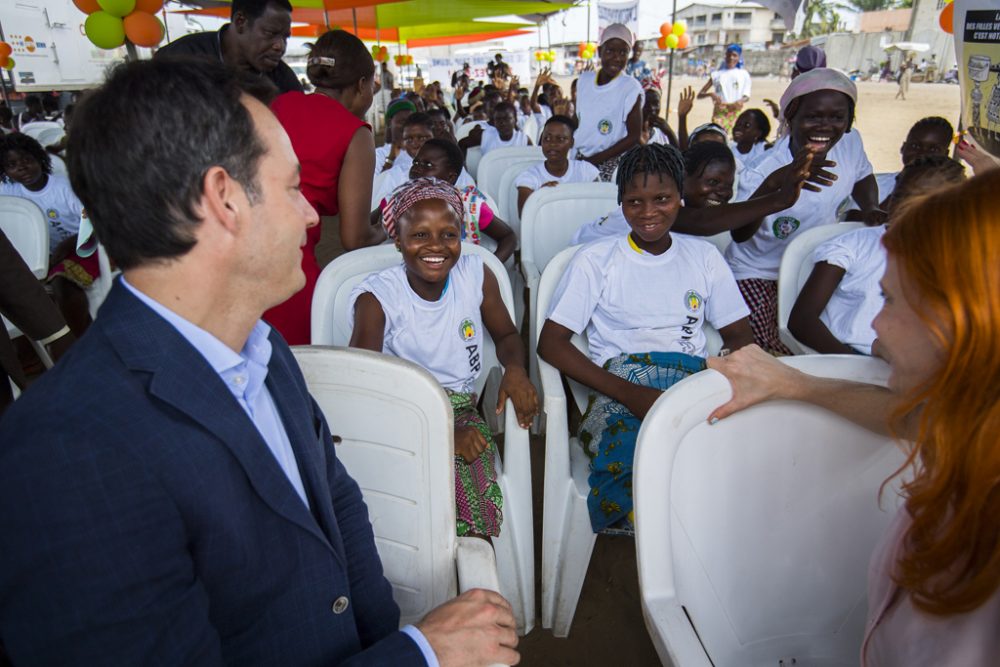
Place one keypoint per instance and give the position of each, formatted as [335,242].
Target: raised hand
[686,101]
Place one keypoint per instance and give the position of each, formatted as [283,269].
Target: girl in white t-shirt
[731,88]
[502,131]
[643,300]
[750,137]
[819,109]
[834,311]
[26,172]
[556,143]
[432,310]
[608,105]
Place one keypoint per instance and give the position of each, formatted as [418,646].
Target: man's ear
[222,199]
[240,22]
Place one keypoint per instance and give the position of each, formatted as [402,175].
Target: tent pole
[588,21]
[670,65]
[354,15]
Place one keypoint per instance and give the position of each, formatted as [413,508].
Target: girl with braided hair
[431,310]
[643,299]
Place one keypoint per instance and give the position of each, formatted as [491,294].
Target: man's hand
[686,102]
[476,628]
[469,443]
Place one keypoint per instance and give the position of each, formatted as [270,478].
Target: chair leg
[564,569]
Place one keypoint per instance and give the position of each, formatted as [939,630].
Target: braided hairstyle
[17,141]
[650,159]
[699,155]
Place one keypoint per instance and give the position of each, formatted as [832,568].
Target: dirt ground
[608,627]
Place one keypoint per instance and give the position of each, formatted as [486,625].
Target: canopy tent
[411,21]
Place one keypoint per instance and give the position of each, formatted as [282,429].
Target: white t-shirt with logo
[491,140]
[858,298]
[59,204]
[399,175]
[760,256]
[444,336]
[579,171]
[732,85]
[603,111]
[630,302]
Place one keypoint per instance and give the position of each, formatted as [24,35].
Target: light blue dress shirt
[244,375]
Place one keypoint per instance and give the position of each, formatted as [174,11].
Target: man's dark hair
[50,104]
[439,111]
[505,106]
[17,141]
[419,118]
[32,101]
[141,145]
[254,9]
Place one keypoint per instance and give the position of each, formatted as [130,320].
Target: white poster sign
[618,12]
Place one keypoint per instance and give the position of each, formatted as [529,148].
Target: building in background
[713,25]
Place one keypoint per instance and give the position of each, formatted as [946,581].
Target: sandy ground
[608,627]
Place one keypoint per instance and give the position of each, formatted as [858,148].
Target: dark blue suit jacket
[144,521]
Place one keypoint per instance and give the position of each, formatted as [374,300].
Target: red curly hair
[947,247]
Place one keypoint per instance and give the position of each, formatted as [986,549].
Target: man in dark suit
[253,42]
[169,492]
[24,302]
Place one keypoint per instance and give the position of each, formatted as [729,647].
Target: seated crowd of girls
[642,287]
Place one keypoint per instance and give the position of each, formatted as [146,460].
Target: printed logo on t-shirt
[784,227]
[693,301]
[51,213]
[605,126]
[467,330]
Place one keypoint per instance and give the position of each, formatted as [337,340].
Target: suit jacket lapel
[182,378]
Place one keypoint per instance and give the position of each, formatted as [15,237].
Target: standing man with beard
[253,42]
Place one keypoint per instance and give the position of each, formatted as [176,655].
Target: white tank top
[602,111]
[444,336]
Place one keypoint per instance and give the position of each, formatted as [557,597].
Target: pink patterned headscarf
[419,189]
[821,78]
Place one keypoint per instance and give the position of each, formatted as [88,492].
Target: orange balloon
[148,6]
[662,42]
[5,50]
[143,29]
[88,7]
[947,18]
[683,41]
[666,29]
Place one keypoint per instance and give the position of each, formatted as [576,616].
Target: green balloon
[104,30]
[119,8]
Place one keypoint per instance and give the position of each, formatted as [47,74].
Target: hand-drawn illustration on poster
[979,72]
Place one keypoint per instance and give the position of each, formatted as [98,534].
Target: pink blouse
[899,634]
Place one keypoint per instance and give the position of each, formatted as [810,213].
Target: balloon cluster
[380,53]
[947,17]
[587,50]
[673,36]
[546,56]
[6,61]
[109,22]
[403,60]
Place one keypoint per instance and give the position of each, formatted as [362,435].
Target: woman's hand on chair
[469,443]
[755,377]
[516,386]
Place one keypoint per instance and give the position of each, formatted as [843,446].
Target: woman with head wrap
[731,85]
[431,310]
[336,149]
[819,110]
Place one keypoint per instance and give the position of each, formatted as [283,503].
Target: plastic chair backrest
[50,135]
[59,165]
[377,188]
[531,129]
[25,226]
[496,162]
[546,290]
[463,130]
[796,267]
[552,215]
[397,442]
[472,159]
[760,527]
[33,130]
[508,193]
[331,321]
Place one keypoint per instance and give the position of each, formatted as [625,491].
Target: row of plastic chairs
[781,499]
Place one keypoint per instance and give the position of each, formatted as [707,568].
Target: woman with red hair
[934,582]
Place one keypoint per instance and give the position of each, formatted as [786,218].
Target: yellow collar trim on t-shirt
[632,244]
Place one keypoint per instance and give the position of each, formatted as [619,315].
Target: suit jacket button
[340,605]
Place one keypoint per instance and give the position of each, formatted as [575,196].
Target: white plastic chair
[377,185]
[753,535]
[35,129]
[531,129]
[472,158]
[496,162]
[796,267]
[567,536]
[550,218]
[463,130]
[59,165]
[25,227]
[331,325]
[98,292]
[397,442]
[508,193]
[50,135]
